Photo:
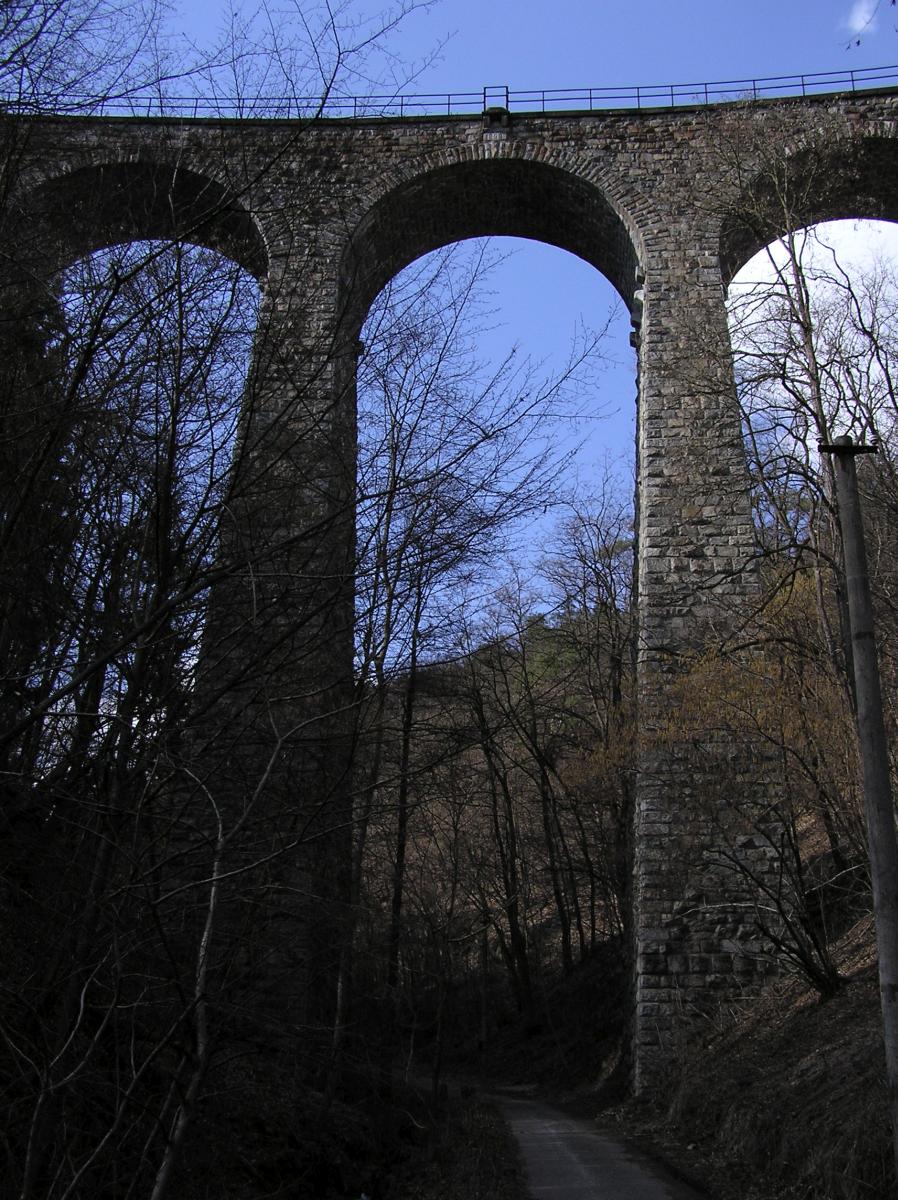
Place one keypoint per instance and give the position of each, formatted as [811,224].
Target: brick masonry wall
[667,204]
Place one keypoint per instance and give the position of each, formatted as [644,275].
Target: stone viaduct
[667,204]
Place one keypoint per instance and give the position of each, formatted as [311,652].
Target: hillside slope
[786,1097]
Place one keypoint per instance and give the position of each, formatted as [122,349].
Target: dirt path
[568,1158]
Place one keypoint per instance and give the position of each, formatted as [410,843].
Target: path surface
[568,1158]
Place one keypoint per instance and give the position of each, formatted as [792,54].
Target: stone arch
[818,181]
[100,204]
[466,194]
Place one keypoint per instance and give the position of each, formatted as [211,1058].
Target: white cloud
[862,17]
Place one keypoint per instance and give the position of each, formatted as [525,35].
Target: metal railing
[542,100]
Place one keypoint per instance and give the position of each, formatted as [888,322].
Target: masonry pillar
[694,936]
[272,735]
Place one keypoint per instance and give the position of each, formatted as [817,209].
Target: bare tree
[138,886]
[453,458]
[812,342]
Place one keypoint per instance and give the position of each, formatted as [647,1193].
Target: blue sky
[571,43]
[542,295]
[461,45]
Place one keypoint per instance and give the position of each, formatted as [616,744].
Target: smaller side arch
[823,180]
[91,207]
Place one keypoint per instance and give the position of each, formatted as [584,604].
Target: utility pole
[880,812]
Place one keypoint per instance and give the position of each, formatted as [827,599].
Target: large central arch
[567,204]
[511,196]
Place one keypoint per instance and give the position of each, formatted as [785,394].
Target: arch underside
[491,197]
[855,181]
[95,207]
